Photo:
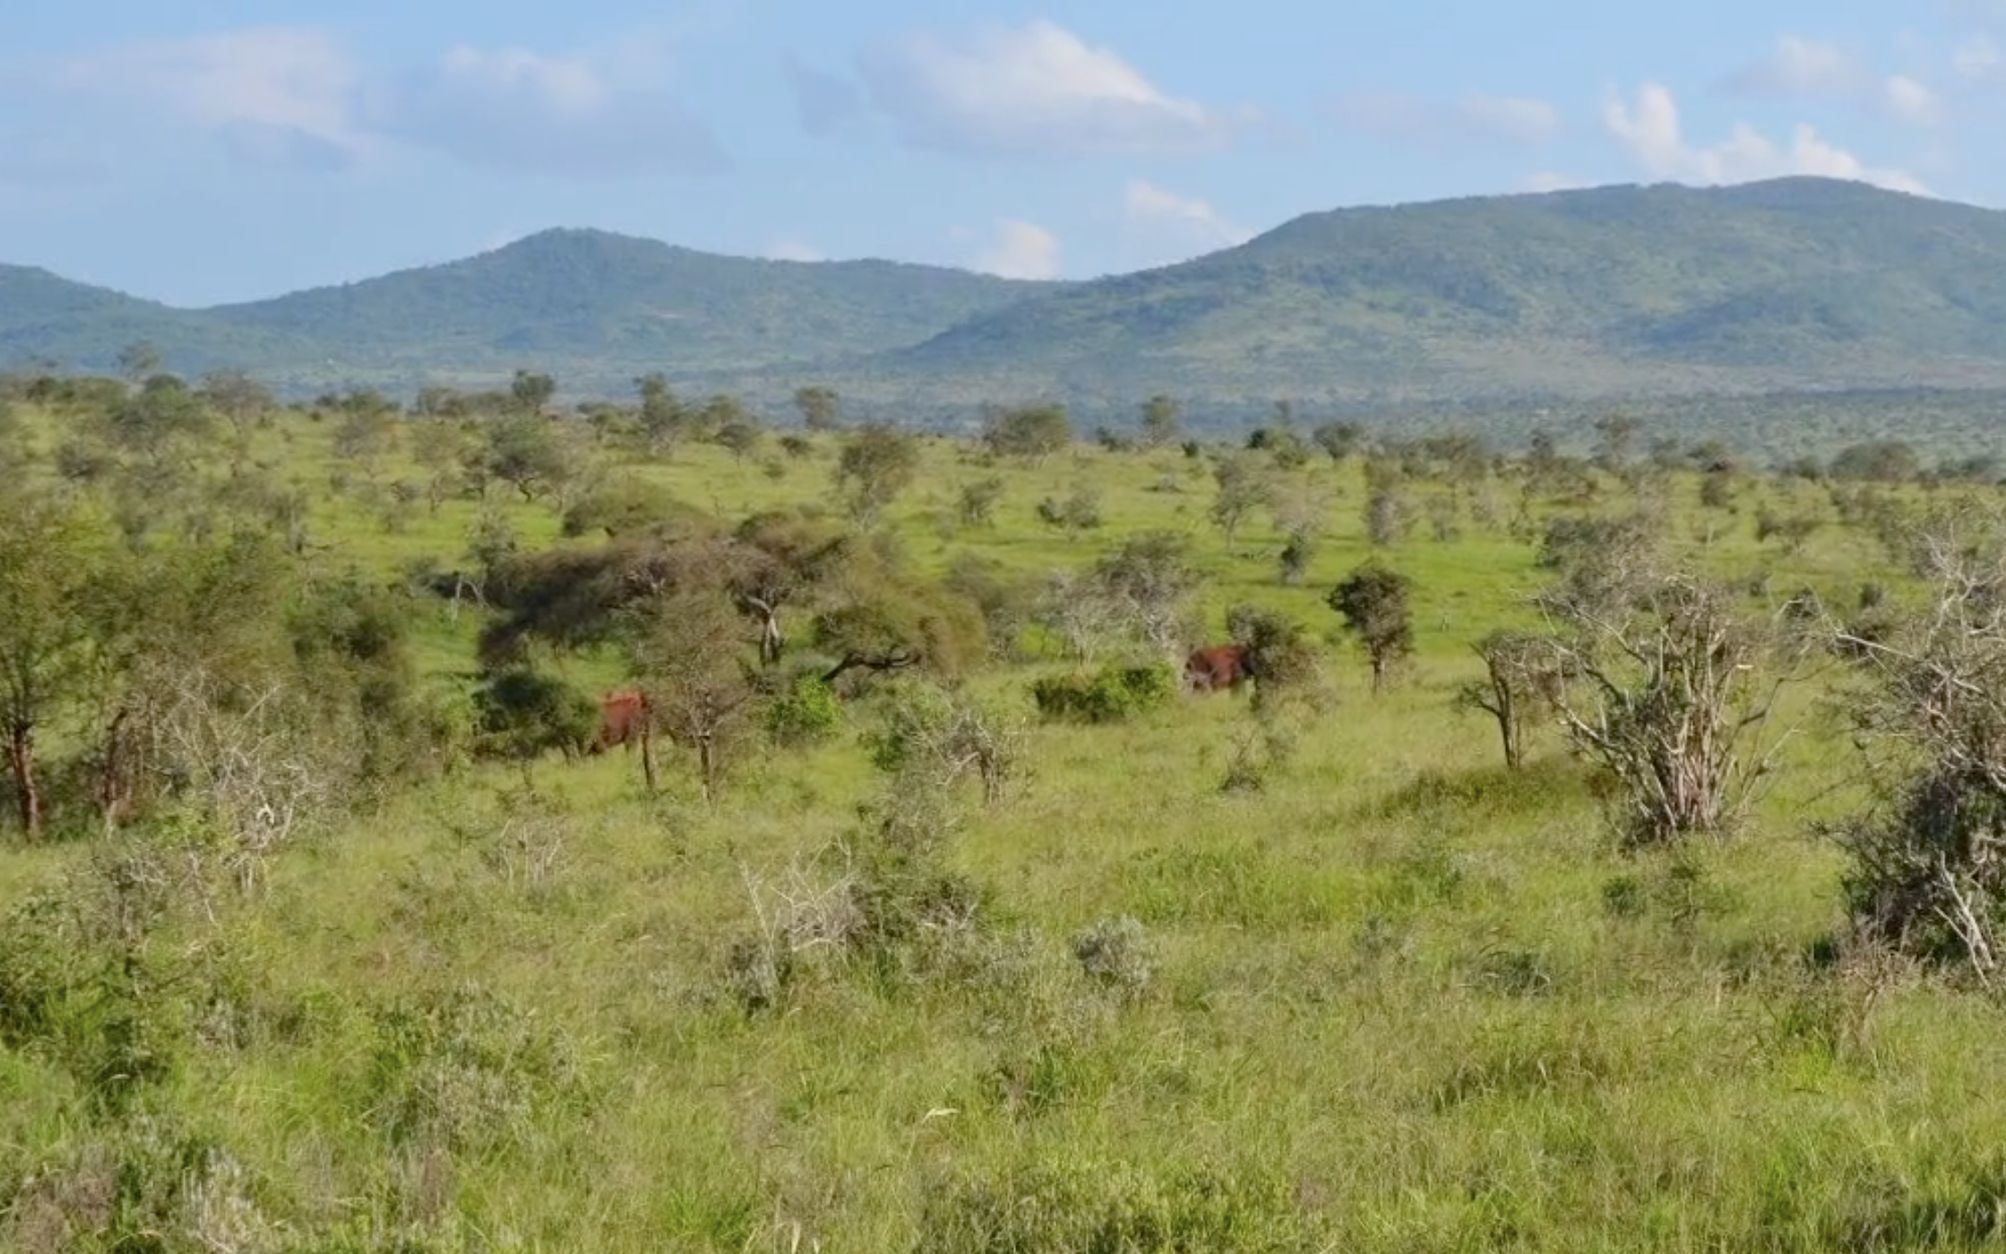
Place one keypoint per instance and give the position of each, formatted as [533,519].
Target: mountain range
[1794,284]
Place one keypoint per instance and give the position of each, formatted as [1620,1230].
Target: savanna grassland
[1254,971]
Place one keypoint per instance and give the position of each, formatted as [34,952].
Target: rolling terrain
[1620,292]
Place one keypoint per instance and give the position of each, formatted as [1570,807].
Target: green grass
[1404,1001]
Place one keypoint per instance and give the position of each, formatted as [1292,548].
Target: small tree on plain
[531,391]
[1031,431]
[1517,689]
[1372,600]
[688,654]
[820,408]
[1243,488]
[1160,423]
[877,464]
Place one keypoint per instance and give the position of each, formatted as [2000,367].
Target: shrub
[1112,695]
[1117,955]
[468,1071]
[805,712]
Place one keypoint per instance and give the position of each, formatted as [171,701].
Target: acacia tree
[1160,425]
[525,451]
[820,408]
[661,419]
[877,463]
[1031,431]
[47,572]
[1928,856]
[243,403]
[1664,694]
[531,391]
[1243,488]
[1517,688]
[1301,513]
[687,653]
[1373,603]
[777,559]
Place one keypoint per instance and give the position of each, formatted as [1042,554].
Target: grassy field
[1400,999]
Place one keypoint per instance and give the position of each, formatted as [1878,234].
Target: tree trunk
[1378,674]
[771,642]
[21,757]
[707,766]
[114,777]
[648,754]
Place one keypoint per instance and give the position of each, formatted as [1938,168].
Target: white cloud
[1550,181]
[1477,118]
[1911,101]
[283,93]
[1166,225]
[1650,129]
[1798,66]
[1020,250]
[793,250]
[1517,118]
[1035,90]
[295,94]
[1977,58]
[516,108]
[1804,67]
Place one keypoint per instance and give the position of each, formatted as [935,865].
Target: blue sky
[207,150]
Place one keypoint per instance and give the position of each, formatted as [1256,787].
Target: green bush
[1112,695]
[805,712]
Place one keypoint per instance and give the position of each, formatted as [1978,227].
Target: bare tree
[1519,685]
[1669,699]
[1928,874]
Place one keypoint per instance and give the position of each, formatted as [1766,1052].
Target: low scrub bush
[805,712]
[469,1071]
[1112,695]
[1117,955]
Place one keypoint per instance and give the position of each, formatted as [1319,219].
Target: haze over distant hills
[1611,292]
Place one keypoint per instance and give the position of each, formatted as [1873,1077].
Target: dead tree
[1928,874]
[1668,698]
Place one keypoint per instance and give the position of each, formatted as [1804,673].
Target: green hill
[595,308]
[1800,283]
[1797,284]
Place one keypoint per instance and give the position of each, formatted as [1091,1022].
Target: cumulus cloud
[1798,66]
[520,109]
[1019,250]
[1977,58]
[1801,67]
[1169,225]
[1034,90]
[1551,181]
[295,95]
[1911,101]
[275,93]
[1649,127]
[793,250]
[1476,118]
